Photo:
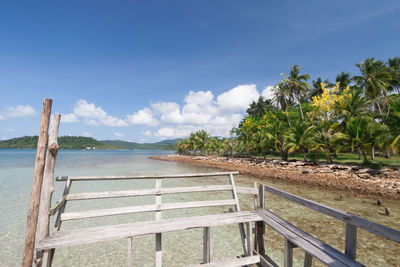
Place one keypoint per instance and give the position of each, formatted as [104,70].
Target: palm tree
[281,94]
[325,141]
[344,80]
[317,87]
[394,65]
[201,139]
[299,138]
[357,135]
[375,79]
[297,85]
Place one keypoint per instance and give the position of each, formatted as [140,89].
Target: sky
[146,71]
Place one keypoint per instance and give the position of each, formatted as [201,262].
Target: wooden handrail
[127,177]
[349,218]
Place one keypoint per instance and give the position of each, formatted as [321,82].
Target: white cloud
[69,118]
[18,112]
[117,134]
[142,117]
[267,93]
[87,134]
[174,132]
[169,111]
[96,115]
[237,99]
[11,130]
[197,101]
[147,133]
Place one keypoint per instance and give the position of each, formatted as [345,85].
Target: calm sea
[181,248]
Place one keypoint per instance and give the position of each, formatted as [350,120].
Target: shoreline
[353,179]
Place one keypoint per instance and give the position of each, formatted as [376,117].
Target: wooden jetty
[251,223]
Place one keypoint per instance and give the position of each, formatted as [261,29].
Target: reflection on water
[179,248]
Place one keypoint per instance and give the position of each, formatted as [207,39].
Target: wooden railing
[352,221]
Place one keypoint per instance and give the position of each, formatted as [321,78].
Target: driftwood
[37,184]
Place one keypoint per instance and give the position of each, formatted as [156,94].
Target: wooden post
[351,241]
[249,239]
[207,244]
[260,227]
[33,211]
[158,217]
[47,187]
[129,254]
[288,257]
[307,260]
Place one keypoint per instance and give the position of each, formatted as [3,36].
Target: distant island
[81,142]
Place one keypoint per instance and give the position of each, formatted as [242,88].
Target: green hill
[163,145]
[81,142]
[65,142]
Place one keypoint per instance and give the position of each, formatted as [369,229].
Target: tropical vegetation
[357,114]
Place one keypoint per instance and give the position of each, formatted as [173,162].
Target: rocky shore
[384,182]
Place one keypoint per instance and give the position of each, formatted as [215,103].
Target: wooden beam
[127,177]
[129,253]
[33,210]
[58,205]
[207,244]
[307,259]
[145,208]
[120,231]
[158,202]
[351,241]
[249,238]
[48,186]
[67,187]
[349,218]
[240,261]
[288,254]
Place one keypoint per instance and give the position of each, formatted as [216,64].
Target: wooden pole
[48,187]
[36,185]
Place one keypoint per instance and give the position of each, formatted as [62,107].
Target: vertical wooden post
[288,257]
[47,187]
[207,244]
[351,241]
[249,239]
[67,187]
[158,235]
[129,253]
[260,227]
[307,260]
[237,208]
[37,184]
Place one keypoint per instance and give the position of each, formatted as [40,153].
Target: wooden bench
[63,238]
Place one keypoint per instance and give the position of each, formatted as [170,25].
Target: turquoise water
[181,248]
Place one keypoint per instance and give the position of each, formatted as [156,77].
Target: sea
[184,247]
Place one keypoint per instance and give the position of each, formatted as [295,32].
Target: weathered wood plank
[351,241]
[207,244]
[48,186]
[288,254]
[67,187]
[265,261]
[115,232]
[33,211]
[124,177]
[145,208]
[352,219]
[58,205]
[249,238]
[147,192]
[240,261]
[315,247]
[158,202]
[129,253]
[307,260]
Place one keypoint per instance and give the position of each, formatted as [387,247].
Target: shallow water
[180,248]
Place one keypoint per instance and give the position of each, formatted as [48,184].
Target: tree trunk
[304,154]
[287,118]
[373,152]
[359,153]
[301,109]
[387,153]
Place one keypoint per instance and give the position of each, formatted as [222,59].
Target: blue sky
[150,70]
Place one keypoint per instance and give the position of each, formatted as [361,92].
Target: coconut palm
[317,87]
[344,80]
[375,79]
[325,141]
[201,140]
[357,135]
[297,85]
[280,97]
[299,137]
[394,65]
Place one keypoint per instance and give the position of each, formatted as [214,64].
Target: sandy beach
[385,182]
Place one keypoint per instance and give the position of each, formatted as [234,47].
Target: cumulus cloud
[174,132]
[117,134]
[267,93]
[96,115]
[142,117]
[18,111]
[169,112]
[87,134]
[238,98]
[69,118]
[146,133]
